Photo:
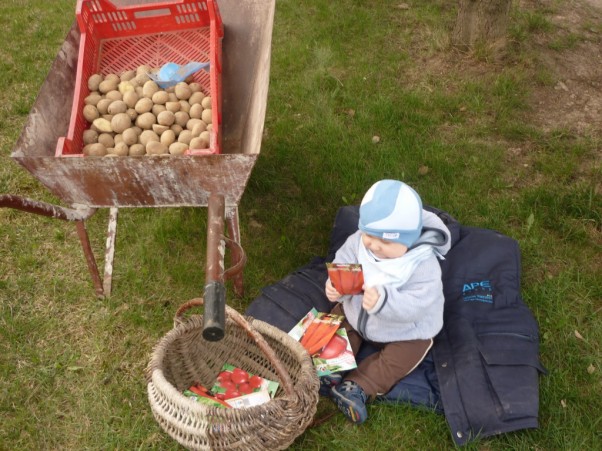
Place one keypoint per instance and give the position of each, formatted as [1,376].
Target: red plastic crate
[115,39]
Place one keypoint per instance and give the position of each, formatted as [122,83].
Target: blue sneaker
[351,399]
[329,381]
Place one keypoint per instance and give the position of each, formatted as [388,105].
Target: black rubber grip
[214,316]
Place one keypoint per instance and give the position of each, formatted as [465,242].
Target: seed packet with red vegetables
[326,341]
[240,388]
[200,394]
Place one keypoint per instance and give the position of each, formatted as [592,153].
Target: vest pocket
[511,363]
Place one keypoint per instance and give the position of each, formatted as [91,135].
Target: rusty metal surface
[45,209]
[143,181]
[168,181]
[82,233]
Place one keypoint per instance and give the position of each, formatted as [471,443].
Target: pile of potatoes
[131,115]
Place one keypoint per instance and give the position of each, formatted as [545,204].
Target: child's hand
[370,298]
[331,292]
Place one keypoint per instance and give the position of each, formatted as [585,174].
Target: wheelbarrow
[216,181]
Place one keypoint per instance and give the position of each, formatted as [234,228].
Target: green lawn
[457,128]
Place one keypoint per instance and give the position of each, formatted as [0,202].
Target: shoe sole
[350,409]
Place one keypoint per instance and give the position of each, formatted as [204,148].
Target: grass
[71,365]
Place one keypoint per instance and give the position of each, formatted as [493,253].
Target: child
[401,307]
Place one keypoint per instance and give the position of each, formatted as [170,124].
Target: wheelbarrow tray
[159,181]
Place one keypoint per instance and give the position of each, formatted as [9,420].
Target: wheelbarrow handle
[214,320]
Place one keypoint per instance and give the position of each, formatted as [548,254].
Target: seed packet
[326,341]
[201,394]
[240,388]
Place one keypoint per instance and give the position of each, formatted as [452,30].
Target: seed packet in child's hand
[240,388]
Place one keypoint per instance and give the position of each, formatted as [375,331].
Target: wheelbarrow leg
[110,251]
[82,233]
[235,251]
[65,214]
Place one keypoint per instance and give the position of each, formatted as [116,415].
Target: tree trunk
[481,22]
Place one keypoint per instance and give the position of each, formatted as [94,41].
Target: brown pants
[379,372]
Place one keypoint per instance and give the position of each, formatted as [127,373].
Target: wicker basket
[184,357]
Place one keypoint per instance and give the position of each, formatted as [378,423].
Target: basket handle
[285,378]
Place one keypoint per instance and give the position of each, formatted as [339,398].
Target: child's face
[382,248]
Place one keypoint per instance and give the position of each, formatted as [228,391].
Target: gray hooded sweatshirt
[410,311]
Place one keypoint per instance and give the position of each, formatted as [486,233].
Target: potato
[97,150]
[120,149]
[157,108]
[144,105]
[132,113]
[114,95]
[199,143]
[177,129]
[106,139]
[166,118]
[90,136]
[145,121]
[195,87]
[117,106]
[184,106]
[118,138]
[129,136]
[108,85]
[193,123]
[172,96]
[102,125]
[147,136]
[130,98]
[160,97]
[209,127]
[207,116]
[125,86]
[205,135]
[196,111]
[156,148]
[185,136]
[197,128]
[196,97]
[181,118]
[178,148]
[120,122]
[168,137]
[127,75]
[137,150]
[183,91]
[93,98]
[149,88]
[174,107]
[143,69]
[206,102]
[90,113]
[159,129]
[103,105]
[113,77]
[94,82]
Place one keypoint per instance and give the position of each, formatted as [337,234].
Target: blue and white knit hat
[391,210]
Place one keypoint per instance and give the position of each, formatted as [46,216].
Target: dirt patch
[573,57]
